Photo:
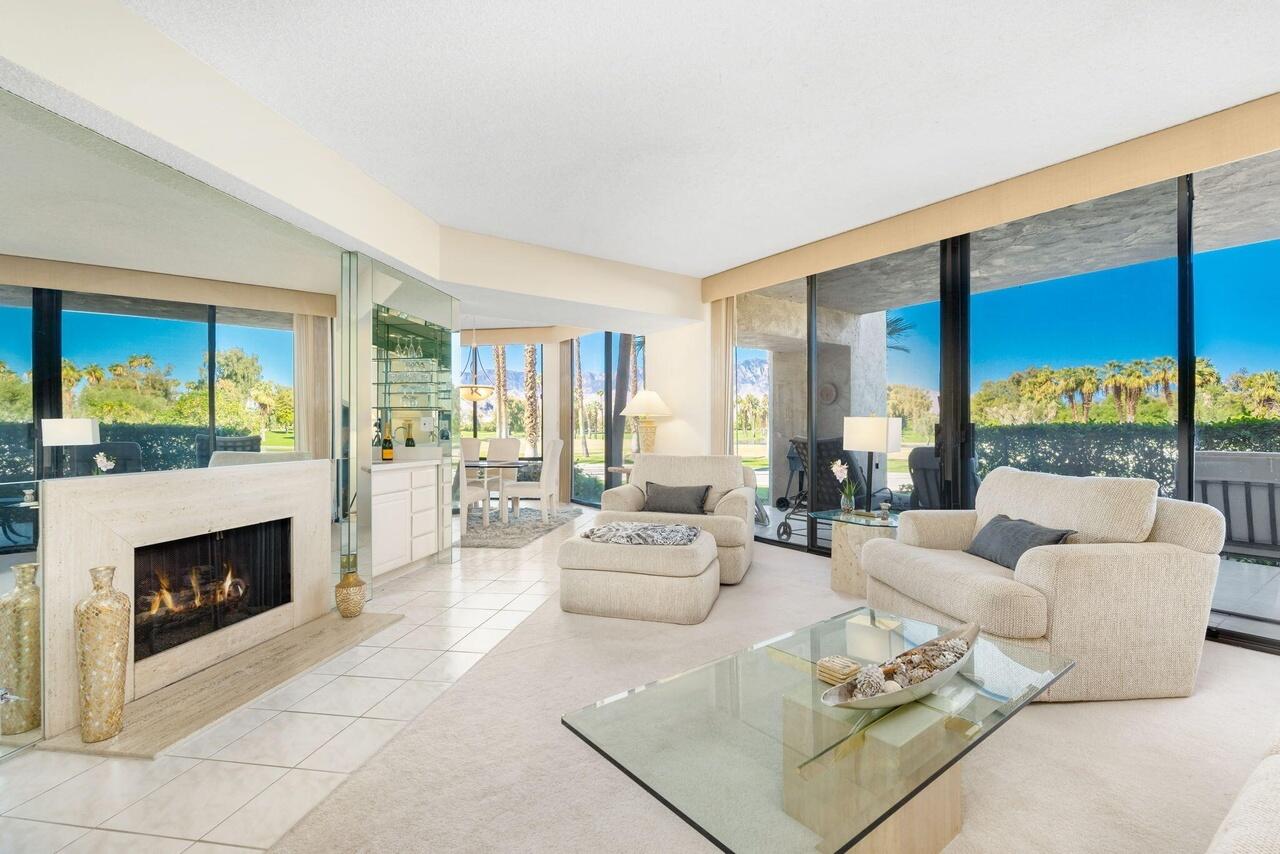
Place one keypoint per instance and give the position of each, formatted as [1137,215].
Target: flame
[162,600]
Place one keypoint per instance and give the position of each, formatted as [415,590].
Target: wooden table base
[924,825]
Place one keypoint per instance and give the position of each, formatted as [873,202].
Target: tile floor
[242,782]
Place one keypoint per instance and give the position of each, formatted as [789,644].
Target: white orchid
[103,462]
[840,470]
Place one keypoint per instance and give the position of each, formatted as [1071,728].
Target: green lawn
[278,441]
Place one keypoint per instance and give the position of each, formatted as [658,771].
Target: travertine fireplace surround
[90,521]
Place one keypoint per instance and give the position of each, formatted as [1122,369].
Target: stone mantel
[90,521]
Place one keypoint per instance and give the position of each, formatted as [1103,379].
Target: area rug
[517,532]
[489,767]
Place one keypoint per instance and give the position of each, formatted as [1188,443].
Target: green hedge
[164,446]
[1120,450]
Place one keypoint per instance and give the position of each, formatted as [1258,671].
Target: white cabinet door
[390,531]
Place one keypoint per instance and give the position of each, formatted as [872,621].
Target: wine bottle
[388,449]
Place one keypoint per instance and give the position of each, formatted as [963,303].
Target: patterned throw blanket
[643,534]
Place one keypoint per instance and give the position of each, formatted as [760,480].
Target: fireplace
[185,589]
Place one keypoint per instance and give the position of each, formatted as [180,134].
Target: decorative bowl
[841,696]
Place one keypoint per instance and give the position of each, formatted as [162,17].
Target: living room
[677,430]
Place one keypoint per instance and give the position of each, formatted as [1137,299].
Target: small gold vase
[20,655]
[350,593]
[102,637]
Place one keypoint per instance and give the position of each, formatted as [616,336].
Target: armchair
[730,504]
[1127,597]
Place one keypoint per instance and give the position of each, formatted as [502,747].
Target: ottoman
[668,584]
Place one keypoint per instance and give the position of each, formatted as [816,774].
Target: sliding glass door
[1074,338]
[1237,386]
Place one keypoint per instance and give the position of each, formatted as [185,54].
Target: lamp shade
[873,434]
[68,431]
[646,404]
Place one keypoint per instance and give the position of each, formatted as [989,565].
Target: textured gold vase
[102,638]
[350,593]
[20,653]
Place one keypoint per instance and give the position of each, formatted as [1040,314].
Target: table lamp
[645,407]
[64,432]
[874,434]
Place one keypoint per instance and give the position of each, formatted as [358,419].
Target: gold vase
[350,593]
[20,656]
[102,638]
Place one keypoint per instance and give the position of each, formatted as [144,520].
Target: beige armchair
[730,504]
[1127,597]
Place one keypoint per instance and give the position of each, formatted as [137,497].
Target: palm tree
[1065,384]
[896,328]
[93,373]
[1089,383]
[1136,382]
[531,397]
[70,376]
[635,387]
[578,397]
[139,362]
[1164,373]
[1114,382]
[500,388]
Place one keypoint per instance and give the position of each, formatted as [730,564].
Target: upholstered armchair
[1127,597]
[729,507]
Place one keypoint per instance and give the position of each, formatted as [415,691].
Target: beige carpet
[488,766]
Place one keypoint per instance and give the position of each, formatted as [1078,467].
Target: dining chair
[502,450]
[546,488]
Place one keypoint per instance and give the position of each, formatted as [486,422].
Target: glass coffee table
[744,750]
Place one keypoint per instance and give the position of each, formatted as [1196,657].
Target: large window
[608,370]
[138,366]
[771,404]
[515,408]
[17,434]
[1237,402]
[1074,339]
[590,375]
[254,389]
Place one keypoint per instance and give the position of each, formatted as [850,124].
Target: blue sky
[1124,313]
[105,338]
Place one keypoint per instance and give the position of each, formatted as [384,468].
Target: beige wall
[678,368]
[1243,131]
[92,279]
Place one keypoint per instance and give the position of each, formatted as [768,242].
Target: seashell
[890,687]
[868,682]
[919,674]
[957,645]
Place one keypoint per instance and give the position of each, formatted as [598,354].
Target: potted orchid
[102,464]
[848,487]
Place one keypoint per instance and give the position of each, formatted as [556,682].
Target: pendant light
[475,391]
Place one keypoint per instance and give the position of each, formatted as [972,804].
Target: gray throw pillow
[1003,540]
[675,499]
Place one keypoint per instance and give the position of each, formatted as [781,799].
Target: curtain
[313,385]
[723,327]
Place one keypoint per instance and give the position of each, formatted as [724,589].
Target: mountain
[753,377]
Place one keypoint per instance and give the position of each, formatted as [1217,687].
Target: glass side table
[849,533]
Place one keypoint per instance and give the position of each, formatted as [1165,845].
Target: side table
[848,534]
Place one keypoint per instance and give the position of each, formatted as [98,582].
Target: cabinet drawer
[424,546]
[390,481]
[424,498]
[424,477]
[424,523]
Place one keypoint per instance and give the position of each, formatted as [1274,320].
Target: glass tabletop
[497,464]
[743,748]
[848,518]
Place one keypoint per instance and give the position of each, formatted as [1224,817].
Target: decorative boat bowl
[841,696]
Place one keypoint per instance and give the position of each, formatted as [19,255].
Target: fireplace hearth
[185,589]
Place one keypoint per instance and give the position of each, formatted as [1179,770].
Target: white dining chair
[546,488]
[502,450]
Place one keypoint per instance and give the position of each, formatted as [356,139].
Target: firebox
[188,588]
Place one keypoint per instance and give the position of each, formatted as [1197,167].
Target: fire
[196,594]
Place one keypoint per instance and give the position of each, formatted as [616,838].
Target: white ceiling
[693,137]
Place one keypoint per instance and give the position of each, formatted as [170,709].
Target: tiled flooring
[242,782]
